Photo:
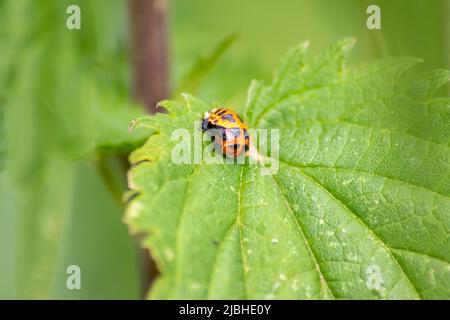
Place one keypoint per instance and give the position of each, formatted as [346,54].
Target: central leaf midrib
[302,234]
[178,249]
[239,224]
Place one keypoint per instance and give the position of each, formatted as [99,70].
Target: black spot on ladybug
[221,112]
[236,132]
[229,117]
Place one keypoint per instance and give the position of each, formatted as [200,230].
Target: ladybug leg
[237,150]
[225,148]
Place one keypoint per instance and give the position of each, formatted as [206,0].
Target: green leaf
[63,94]
[359,208]
[203,66]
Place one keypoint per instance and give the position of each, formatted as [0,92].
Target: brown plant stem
[149,50]
[148,34]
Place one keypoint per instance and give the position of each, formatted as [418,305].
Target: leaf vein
[362,223]
[302,234]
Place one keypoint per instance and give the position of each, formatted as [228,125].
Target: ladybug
[227,131]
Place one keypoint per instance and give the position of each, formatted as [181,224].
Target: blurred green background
[65,104]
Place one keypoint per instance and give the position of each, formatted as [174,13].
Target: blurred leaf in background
[66,95]
[203,65]
[268,28]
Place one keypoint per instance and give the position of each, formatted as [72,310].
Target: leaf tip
[347,44]
[141,121]
[304,45]
[186,96]
[132,125]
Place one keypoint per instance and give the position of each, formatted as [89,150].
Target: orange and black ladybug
[227,130]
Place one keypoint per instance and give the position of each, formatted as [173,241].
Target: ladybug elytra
[227,131]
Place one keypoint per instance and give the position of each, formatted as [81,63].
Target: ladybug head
[205,124]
